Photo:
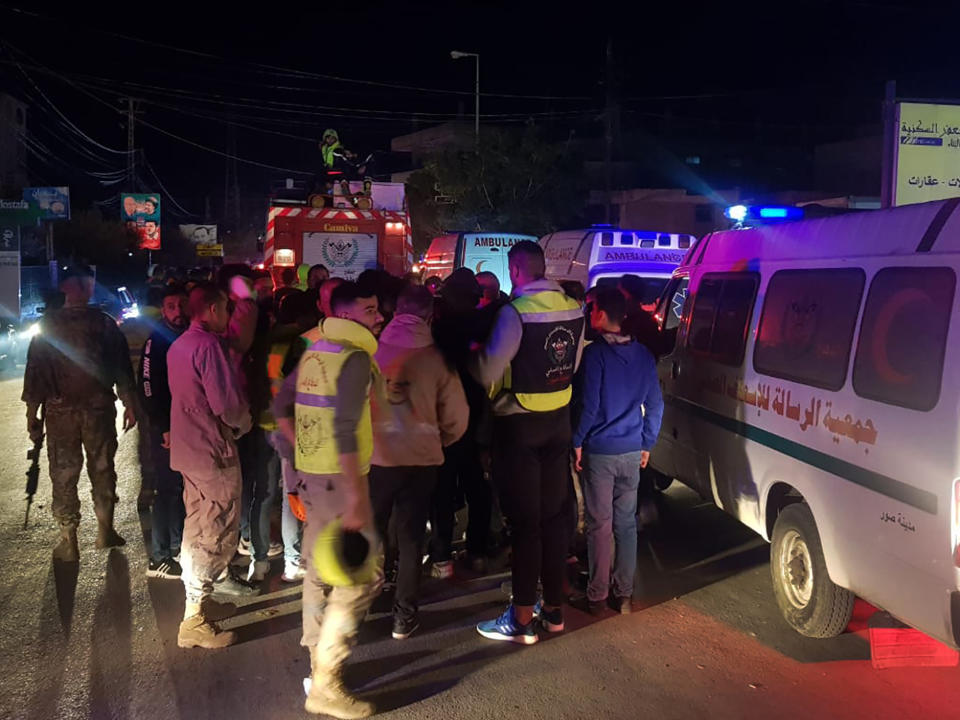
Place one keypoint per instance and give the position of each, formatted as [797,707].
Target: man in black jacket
[168,510]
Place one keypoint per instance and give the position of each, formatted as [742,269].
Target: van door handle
[675,370]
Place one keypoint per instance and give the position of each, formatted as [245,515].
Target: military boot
[328,696]
[197,630]
[67,550]
[106,536]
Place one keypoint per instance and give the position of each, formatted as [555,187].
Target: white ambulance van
[813,392]
[481,252]
[603,253]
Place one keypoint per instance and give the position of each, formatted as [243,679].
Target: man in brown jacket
[422,410]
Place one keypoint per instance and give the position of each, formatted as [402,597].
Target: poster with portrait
[141,213]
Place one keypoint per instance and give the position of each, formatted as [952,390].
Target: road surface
[100,642]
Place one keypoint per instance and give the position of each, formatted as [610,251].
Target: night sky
[811,71]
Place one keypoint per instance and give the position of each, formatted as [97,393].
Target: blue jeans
[166,516]
[610,496]
[261,478]
[290,528]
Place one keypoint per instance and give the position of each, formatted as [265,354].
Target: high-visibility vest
[278,352]
[540,376]
[328,347]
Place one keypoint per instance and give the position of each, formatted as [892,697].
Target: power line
[291,72]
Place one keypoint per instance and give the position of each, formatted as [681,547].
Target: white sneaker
[244,547]
[258,571]
[293,572]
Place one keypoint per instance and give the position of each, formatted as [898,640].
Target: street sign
[209,250]
[927,154]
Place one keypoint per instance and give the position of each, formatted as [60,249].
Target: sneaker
[293,572]
[257,572]
[244,548]
[276,550]
[507,628]
[550,620]
[166,568]
[404,627]
[624,605]
[233,587]
[442,570]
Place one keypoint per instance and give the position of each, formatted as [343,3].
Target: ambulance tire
[808,599]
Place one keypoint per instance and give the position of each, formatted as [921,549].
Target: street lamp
[456,55]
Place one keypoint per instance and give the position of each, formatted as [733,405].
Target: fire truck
[359,226]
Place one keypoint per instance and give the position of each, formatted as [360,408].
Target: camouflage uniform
[72,368]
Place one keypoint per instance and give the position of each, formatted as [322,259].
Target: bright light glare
[31,331]
[131,312]
[736,212]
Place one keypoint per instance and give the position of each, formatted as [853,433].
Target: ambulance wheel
[809,601]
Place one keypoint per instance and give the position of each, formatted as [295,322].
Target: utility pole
[231,180]
[131,155]
[608,135]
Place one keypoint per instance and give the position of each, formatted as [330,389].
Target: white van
[481,252]
[813,392]
[603,253]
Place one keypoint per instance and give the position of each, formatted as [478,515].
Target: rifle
[33,474]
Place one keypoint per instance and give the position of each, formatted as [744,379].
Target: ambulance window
[806,328]
[626,238]
[664,240]
[606,239]
[903,336]
[721,313]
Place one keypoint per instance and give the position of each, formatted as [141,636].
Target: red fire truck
[362,229]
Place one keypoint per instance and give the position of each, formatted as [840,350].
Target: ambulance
[480,251]
[602,253]
[813,392]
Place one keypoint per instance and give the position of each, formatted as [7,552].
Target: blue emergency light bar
[763,213]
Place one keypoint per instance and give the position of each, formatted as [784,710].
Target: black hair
[318,266]
[612,302]
[347,293]
[168,291]
[415,300]
[529,256]
[203,295]
[295,306]
[573,289]
[289,276]
[78,270]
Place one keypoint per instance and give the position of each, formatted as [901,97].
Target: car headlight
[130,312]
[30,331]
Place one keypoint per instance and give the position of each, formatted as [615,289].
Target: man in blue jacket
[619,421]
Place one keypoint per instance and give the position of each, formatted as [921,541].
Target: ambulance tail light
[955,524]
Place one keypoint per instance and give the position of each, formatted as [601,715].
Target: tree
[516,182]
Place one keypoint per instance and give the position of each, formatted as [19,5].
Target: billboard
[51,203]
[199,234]
[927,156]
[141,213]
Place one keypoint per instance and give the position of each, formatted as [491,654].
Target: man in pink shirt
[208,413]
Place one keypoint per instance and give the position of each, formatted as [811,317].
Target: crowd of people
[365,410]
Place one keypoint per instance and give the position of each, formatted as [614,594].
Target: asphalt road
[100,642]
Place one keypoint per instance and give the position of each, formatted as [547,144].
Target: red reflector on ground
[894,645]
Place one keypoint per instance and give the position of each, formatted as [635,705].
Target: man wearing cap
[323,410]
[72,369]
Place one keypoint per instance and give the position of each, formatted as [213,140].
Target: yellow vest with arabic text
[328,347]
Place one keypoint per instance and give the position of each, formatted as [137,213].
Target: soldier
[72,368]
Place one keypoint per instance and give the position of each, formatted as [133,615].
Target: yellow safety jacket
[328,347]
[541,374]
